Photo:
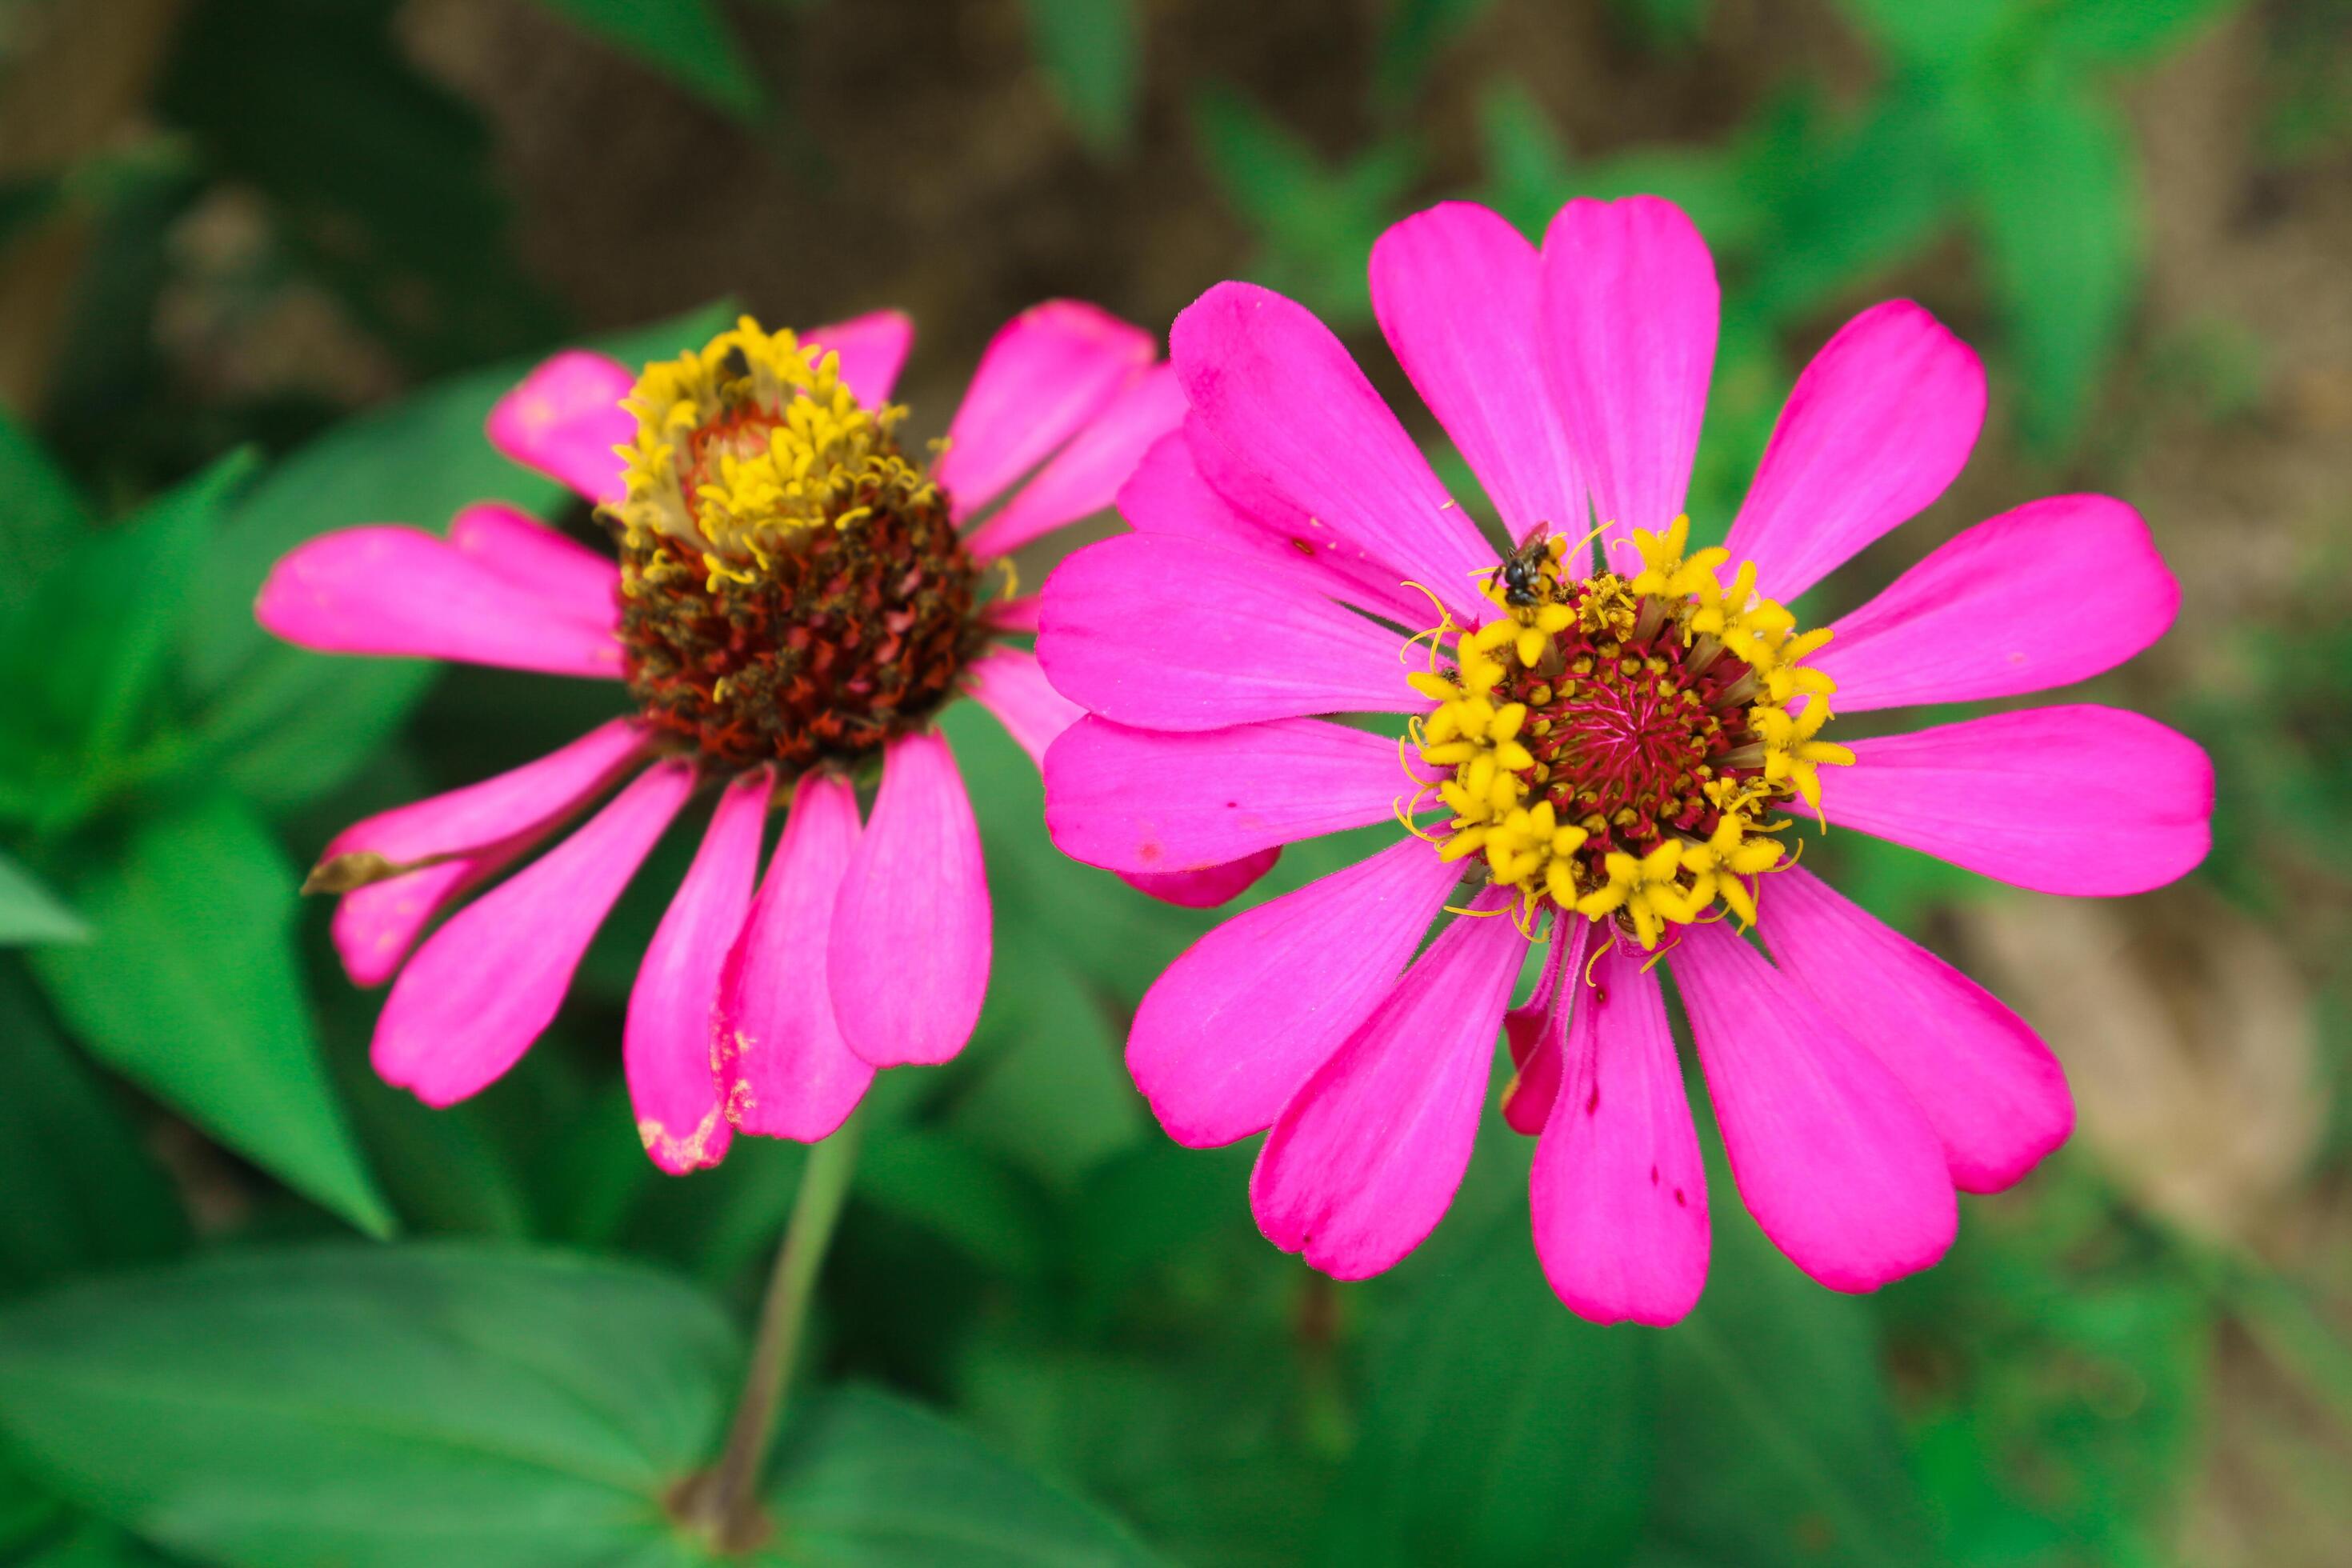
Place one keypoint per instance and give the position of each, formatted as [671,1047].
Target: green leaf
[687,41]
[1417,33]
[1053,1097]
[2128,32]
[1092,53]
[1853,204]
[1777,1442]
[375,180]
[82,1194]
[1929,36]
[931,1180]
[2061,215]
[1314,224]
[384,1406]
[864,1480]
[85,661]
[1502,1429]
[30,913]
[40,514]
[191,988]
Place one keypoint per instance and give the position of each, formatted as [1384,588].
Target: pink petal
[565,418]
[1012,615]
[1996,1095]
[522,800]
[872,349]
[1618,1192]
[1010,683]
[908,964]
[2073,799]
[666,1050]
[1272,384]
[1049,371]
[2052,593]
[1229,1032]
[1143,800]
[1529,1029]
[783,1066]
[374,926]
[1627,333]
[483,827]
[401,592]
[1363,1163]
[1085,477]
[568,577]
[1832,1154]
[487,984]
[1874,429]
[1455,289]
[1165,634]
[1176,491]
[1206,888]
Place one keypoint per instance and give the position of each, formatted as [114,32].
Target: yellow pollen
[746,442]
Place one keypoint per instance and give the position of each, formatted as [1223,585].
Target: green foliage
[687,40]
[1499,1428]
[1313,223]
[1091,51]
[82,1194]
[190,987]
[1039,1307]
[31,913]
[525,1408]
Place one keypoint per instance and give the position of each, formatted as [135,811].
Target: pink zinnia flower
[1614,756]
[794,601]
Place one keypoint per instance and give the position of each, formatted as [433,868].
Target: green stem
[724,1501]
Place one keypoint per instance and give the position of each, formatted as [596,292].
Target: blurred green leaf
[40,514]
[82,1194]
[85,659]
[191,988]
[687,41]
[1528,173]
[2054,186]
[30,913]
[2126,32]
[1931,36]
[1313,224]
[1053,1097]
[386,1406]
[1502,1428]
[378,178]
[1416,33]
[863,1479]
[1781,1447]
[1850,204]
[938,1182]
[1092,54]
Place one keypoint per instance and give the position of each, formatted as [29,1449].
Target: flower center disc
[794,589]
[1623,748]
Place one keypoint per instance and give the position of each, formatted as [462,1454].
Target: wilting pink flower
[794,601]
[1614,757]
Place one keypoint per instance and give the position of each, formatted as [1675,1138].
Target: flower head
[1620,757]
[796,597]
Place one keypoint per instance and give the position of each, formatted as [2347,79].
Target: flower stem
[723,1501]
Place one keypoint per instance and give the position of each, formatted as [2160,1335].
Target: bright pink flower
[1614,756]
[794,601]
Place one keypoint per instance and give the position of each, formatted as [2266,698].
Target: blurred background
[264,265]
